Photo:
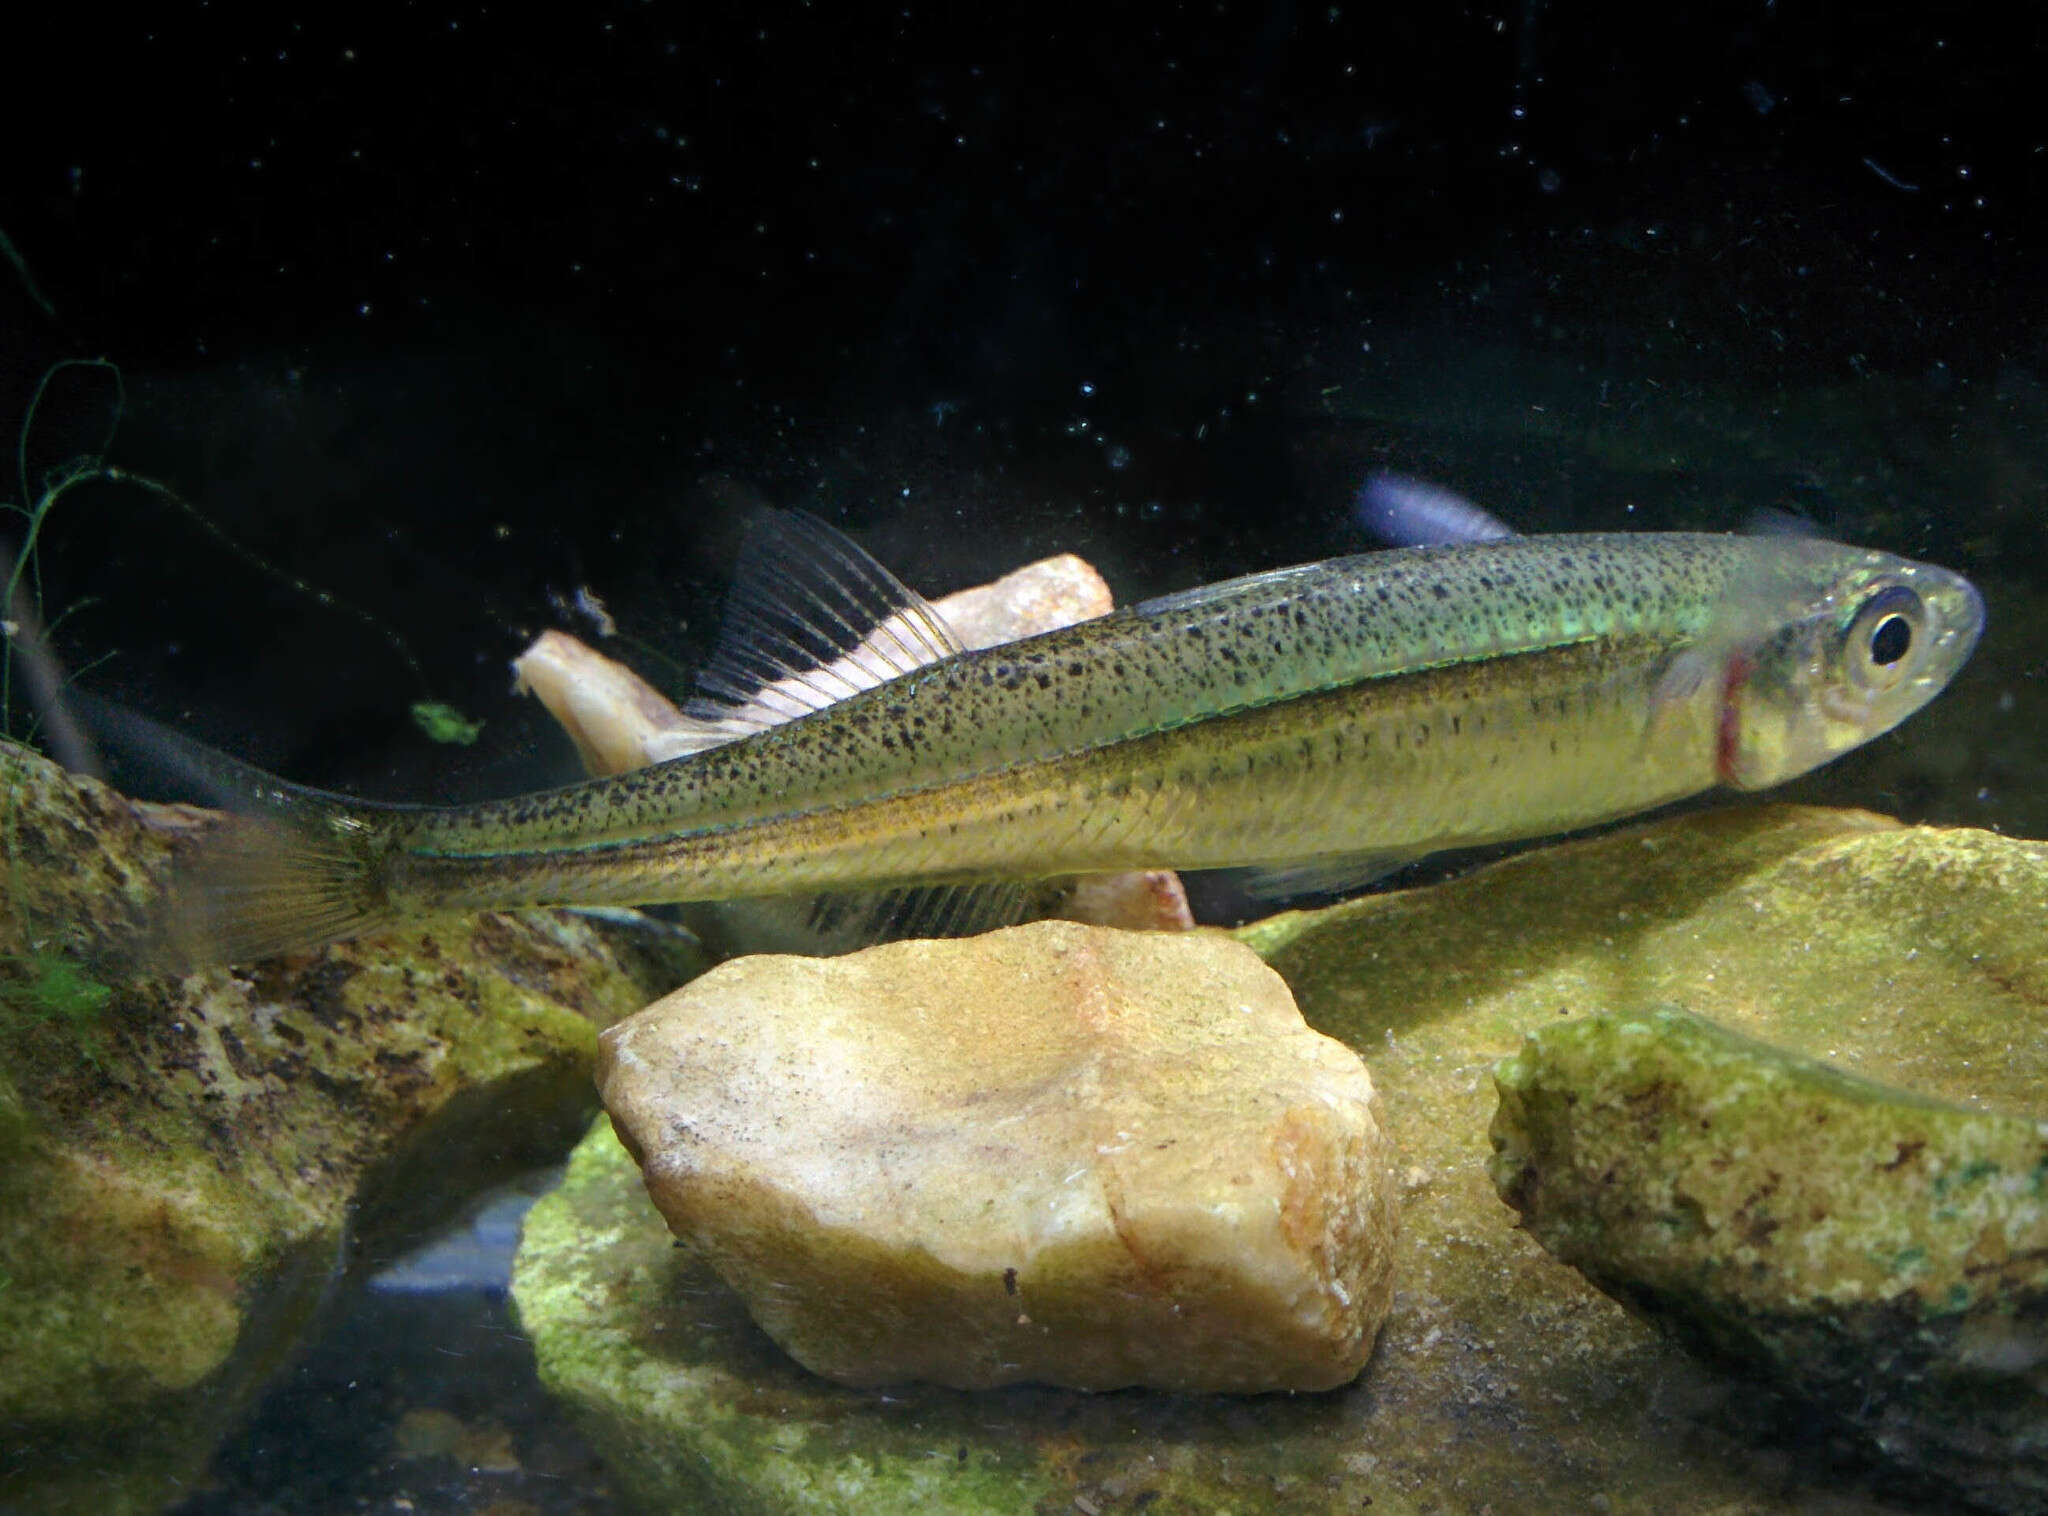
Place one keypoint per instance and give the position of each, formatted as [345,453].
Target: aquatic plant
[42,985]
[21,597]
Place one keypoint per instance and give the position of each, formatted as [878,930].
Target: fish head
[1858,642]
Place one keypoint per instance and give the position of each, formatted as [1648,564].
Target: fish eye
[1890,640]
[1882,636]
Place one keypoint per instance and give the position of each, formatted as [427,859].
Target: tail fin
[286,869]
[256,886]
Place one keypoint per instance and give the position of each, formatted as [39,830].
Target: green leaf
[444,723]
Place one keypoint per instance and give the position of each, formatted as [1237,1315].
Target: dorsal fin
[810,620]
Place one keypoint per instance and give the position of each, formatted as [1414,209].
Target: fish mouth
[1970,625]
[1958,606]
[1959,618]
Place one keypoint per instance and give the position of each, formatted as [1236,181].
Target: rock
[1503,1380]
[1140,900]
[693,1407]
[617,720]
[1052,1154]
[1911,956]
[187,1167]
[1038,597]
[1882,1255]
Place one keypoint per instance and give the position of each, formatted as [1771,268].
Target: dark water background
[454,313]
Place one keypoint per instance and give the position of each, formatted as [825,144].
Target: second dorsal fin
[811,619]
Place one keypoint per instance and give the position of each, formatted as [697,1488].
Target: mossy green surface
[1880,1254]
[1503,1380]
[1909,956]
[180,1192]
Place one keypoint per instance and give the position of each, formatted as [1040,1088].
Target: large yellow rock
[1055,1153]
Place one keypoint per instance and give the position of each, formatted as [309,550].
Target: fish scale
[1384,706]
[1178,659]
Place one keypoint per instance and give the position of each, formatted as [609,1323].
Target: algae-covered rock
[1883,1255]
[1503,1381]
[1911,956]
[188,1166]
[1058,1154]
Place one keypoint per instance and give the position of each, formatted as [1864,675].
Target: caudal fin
[285,869]
[256,885]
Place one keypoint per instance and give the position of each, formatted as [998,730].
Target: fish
[1405,512]
[1317,725]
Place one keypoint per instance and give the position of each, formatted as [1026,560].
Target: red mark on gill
[1728,739]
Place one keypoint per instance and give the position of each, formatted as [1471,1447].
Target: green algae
[1878,1254]
[442,722]
[42,989]
[176,1212]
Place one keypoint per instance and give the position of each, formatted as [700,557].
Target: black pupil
[1888,643]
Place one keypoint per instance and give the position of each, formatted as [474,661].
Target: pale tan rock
[1142,900]
[1038,597]
[614,717]
[1054,1153]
